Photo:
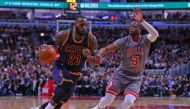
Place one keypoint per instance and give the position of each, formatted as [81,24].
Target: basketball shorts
[119,83]
[65,84]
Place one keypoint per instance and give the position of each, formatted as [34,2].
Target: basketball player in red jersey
[134,51]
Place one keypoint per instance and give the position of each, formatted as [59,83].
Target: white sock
[36,108]
[49,106]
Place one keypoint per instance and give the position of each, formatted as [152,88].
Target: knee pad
[107,100]
[129,100]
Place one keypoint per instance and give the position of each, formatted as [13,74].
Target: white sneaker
[97,107]
[35,108]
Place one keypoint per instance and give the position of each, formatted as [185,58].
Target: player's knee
[63,92]
[128,102]
[107,100]
[66,86]
[129,99]
[58,106]
[110,97]
[44,105]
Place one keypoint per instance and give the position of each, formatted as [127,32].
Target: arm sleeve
[153,33]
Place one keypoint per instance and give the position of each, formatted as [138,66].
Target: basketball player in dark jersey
[75,46]
[134,51]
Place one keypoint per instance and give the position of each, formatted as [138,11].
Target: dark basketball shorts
[65,81]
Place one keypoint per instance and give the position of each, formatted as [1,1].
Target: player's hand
[87,53]
[101,52]
[42,47]
[97,60]
[138,15]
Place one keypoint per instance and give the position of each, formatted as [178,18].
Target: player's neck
[135,38]
[77,37]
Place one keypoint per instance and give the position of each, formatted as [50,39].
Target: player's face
[81,26]
[134,29]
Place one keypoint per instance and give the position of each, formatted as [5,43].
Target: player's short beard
[80,33]
[134,33]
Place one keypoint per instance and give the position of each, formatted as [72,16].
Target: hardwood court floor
[87,102]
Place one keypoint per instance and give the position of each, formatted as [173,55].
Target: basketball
[46,54]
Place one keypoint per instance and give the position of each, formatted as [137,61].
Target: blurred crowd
[21,74]
[180,16]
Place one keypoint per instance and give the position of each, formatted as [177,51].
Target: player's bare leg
[58,106]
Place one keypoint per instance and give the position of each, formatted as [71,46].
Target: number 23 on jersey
[74,59]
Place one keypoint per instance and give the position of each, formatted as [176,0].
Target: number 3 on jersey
[135,60]
[74,59]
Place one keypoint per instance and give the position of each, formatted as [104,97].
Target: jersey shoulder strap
[67,35]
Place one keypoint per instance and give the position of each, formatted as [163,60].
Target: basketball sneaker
[97,107]
[35,108]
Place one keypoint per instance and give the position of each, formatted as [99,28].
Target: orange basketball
[46,54]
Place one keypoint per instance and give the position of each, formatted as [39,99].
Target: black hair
[138,24]
[80,17]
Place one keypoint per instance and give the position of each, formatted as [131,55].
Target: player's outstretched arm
[110,48]
[153,33]
[93,48]
[59,38]
[93,44]
[95,60]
